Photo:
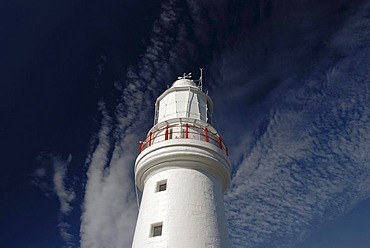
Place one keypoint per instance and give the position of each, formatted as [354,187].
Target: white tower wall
[191,210]
[182,170]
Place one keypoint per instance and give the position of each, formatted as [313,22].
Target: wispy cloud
[110,210]
[307,162]
[51,177]
[294,163]
[65,195]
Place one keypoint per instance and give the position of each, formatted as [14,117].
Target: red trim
[166,136]
[187,131]
[162,134]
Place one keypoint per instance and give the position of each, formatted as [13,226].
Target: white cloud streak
[51,177]
[309,162]
[65,196]
[294,171]
[110,210]
[108,204]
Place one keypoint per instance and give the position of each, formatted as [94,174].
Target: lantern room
[184,99]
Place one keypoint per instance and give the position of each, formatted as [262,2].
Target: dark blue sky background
[50,57]
[291,90]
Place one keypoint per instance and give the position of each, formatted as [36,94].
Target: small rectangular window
[156,230]
[161,186]
[170,133]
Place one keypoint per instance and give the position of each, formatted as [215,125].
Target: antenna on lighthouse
[201,79]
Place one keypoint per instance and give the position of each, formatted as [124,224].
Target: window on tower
[156,230]
[170,133]
[161,186]
[209,115]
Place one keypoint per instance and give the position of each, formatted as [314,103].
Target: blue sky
[290,85]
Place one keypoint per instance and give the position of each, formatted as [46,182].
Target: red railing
[183,131]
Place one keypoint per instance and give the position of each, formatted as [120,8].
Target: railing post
[227,151]
[150,139]
[220,142]
[166,135]
[187,130]
[206,132]
[141,146]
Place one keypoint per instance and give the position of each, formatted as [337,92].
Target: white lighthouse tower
[182,170]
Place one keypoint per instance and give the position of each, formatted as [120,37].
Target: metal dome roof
[184,82]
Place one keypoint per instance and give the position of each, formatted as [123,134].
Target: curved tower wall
[183,170]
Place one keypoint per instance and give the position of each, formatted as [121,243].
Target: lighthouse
[183,170]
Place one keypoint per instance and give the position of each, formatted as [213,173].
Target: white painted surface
[183,100]
[183,153]
[183,82]
[191,210]
[196,169]
[182,104]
